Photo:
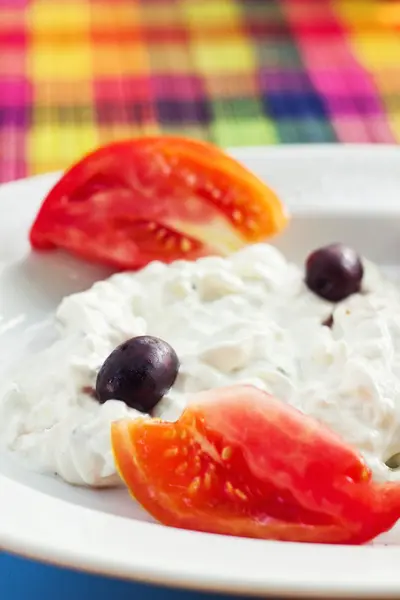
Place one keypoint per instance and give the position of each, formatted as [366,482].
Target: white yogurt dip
[245,319]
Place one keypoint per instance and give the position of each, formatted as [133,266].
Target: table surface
[26,580]
[77,73]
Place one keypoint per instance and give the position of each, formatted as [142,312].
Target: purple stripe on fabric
[290,95]
[339,78]
[197,111]
[18,116]
[345,96]
[284,81]
[185,87]
[123,112]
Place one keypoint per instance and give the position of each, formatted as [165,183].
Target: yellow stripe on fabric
[46,16]
[369,13]
[229,53]
[52,146]
[67,57]
[117,41]
[246,132]
[60,64]
[393,119]
[116,131]
[61,70]
[377,51]
[358,13]
[162,14]
[119,16]
[375,43]
[120,60]
[377,46]
[172,58]
[232,86]
[63,93]
[388,83]
[389,13]
[233,55]
[190,131]
[201,13]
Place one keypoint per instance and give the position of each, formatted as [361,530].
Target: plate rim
[99,542]
[360,571]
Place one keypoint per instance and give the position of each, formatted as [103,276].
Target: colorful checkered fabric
[77,73]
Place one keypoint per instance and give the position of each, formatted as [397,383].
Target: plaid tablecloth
[76,73]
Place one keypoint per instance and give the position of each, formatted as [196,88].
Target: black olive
[139,372]
[334,272]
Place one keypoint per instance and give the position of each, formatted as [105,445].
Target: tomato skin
[162,506]
[156,198]
[293,478]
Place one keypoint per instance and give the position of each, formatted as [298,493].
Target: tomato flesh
[240,462]
[156,198]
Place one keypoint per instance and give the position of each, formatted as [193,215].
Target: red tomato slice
[156,198]
[240,462]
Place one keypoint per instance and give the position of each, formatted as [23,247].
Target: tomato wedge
[240,462]
[156,198]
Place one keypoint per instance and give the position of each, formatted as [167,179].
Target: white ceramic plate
[335,193]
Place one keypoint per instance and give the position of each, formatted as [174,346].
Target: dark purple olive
[139,372]
[334,272]
[328,322]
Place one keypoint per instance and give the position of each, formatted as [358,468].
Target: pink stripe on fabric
[348,90]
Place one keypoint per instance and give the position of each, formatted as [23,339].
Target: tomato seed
[181,469]
[237,216]
[241,495]
[186,245]
[160,235]
[170,434]
[171,452]
[207,480]
[226,453]
[229,488]
[169,243]
[194,486]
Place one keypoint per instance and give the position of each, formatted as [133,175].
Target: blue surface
[22,579]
